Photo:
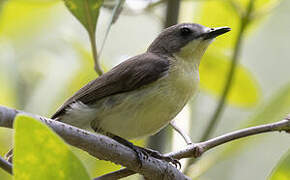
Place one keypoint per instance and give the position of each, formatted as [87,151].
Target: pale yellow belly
[145,111]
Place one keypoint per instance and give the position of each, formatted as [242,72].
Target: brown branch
[196,150]
[102,147]
[105,148]
[5,165]
[183,134]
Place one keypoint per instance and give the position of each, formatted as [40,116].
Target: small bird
[143,94]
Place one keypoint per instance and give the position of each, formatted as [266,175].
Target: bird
[141,95]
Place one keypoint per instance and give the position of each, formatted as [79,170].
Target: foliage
[54,159]
[86,11]
[281,171]
[245,91]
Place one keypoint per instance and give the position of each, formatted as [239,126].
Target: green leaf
[86,11]
[244,92]
[219,13]
[259,4]
[18,17]
[215,13]
[282,170]
[41,154]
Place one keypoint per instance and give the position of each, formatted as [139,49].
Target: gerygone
[143,94]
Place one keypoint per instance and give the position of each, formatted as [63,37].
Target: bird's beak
[214,32]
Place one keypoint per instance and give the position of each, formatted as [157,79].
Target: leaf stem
[95,54]
[92,37]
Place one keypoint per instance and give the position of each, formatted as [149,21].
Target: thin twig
[115,14]
[183,134]
[5,165]
[234,61]
[196,150]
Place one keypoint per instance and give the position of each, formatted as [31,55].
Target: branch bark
[100,146]
[5,165]
[105,148]
[196,150]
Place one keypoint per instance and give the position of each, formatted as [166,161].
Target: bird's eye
[185,31]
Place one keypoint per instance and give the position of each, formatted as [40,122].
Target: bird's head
[187,40]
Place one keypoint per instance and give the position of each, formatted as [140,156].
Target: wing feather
[127,76]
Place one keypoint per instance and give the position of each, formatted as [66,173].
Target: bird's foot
[144,153]
[150,152]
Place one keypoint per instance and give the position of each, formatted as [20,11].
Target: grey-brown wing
[127,76]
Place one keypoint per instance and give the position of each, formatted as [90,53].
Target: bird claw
[144,153]
[140,155]
[157,155]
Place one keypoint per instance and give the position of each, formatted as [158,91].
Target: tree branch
[106,148]
[196,150]
[102,147]
[7,166]
[183,134]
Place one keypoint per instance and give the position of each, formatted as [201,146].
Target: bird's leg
[144,152]
[139,152]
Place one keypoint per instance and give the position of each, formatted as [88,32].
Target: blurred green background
[45,57]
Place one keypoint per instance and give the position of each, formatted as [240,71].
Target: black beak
[214,32]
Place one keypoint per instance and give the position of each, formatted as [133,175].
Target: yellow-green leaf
[258,4]
[86,11]
[282,170]
[18,17]
[215,13]
[214,68]
[219,13]
[41,154]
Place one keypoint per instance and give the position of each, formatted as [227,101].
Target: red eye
[185,31]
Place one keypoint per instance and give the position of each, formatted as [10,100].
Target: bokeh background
[45,57]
